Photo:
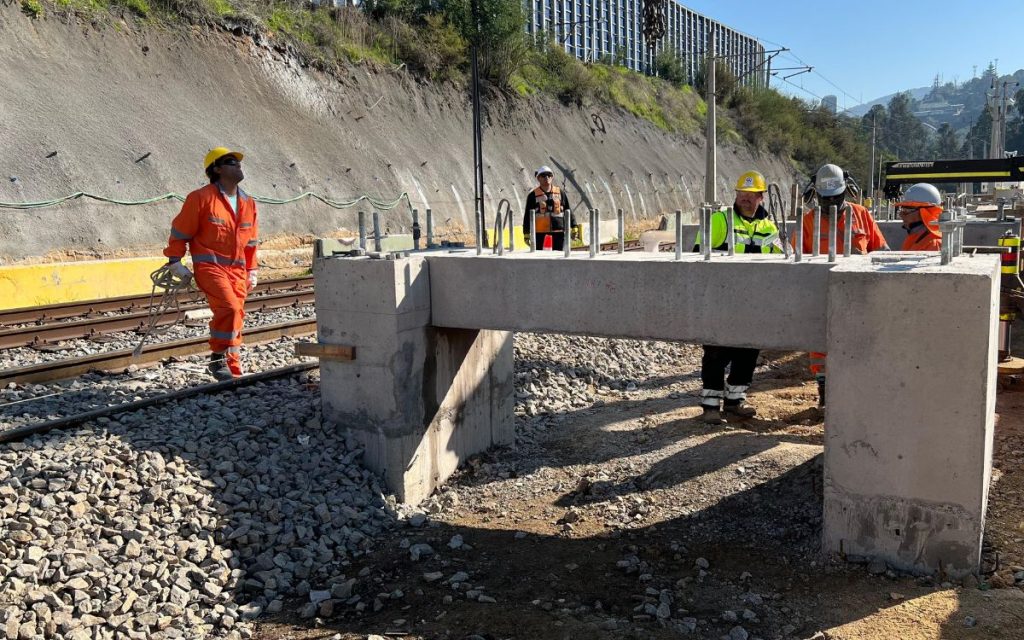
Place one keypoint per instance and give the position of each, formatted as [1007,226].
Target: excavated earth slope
[128,111]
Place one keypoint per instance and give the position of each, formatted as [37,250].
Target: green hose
[337,204]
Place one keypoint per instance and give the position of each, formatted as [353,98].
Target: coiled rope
[172,284]
[379,205]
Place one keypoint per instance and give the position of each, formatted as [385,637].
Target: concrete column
[911,398]
[418,398]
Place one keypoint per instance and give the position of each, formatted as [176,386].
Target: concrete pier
[911,382]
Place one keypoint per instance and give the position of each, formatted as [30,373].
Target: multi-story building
[830,103]
[592,29]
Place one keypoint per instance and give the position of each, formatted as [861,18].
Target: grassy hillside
[431,40]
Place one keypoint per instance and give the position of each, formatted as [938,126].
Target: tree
[668,65]
[947,147]
[903,132]
[977,139]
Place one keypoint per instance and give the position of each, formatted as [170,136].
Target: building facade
[592,29]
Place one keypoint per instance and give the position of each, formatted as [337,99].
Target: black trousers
[556,241]
[741,362]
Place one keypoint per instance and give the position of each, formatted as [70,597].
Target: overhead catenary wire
[381,205]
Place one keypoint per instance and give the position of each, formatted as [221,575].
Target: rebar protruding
[730,231]
[798,255]
[376,232]
[847,230]
[415,230]
[595,238]
[567,233]
[430,229]
[816,234]
[533,230]
[622,230]
[679,234]
[833,215]
[362,230]
[705,245]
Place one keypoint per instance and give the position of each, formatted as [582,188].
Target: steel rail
[151,354]
[81,329]
[19,433]
[125,304]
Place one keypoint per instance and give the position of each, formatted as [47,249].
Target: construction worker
[218,225]
[919,210]
[832,184]
[753,232]
[550,203]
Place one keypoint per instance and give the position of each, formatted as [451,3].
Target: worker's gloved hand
[252,280]
[575,234]
[179,269]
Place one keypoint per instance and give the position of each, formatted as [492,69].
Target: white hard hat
[922,192]
[543,169]
[829,181]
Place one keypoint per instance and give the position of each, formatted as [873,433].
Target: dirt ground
[586,528]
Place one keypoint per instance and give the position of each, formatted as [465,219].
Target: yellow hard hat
[751,181]
[219,152]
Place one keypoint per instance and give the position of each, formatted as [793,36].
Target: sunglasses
[547,175]
[230,162]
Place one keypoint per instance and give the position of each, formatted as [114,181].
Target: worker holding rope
[218,225]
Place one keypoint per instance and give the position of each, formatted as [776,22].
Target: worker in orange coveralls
[832,185]
[919,210]
[218,225]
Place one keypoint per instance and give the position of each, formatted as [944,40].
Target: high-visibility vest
[759,235]
[544,213]
[923,241]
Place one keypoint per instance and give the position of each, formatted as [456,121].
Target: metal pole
[511,232]
[705,245]
[567,233]
[594,237]
[430,229]
[679,234]
[711,165]
[833,214]
[533,230]
[362,230]
[946,251]
[479,236]
[799,255]
[847,230]
[622,230]
[816,234]
[415,230]
[730,231]
[376,231]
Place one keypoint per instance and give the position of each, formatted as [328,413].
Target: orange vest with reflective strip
[925,241]
[543,212]
[214,234]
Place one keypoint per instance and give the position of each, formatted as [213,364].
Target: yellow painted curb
[38,284]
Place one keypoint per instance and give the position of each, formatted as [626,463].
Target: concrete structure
[908,438]
[830,103]
[590,29]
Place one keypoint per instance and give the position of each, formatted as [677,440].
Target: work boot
[712,416]
[218,367]
[821,393]
[740,409]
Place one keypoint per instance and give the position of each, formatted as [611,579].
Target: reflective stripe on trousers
[710,397]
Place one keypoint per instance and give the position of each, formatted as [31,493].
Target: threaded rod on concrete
[816,235]
[833,214]
[798,256]
[847,230]
[362,230]
[567,233]
[679,234]
[376,232]
[415,230]
[593,232]
[705,245]
[730,232]
[430,229]
[533,230]
[622,230]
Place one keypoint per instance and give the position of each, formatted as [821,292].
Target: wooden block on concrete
[325,351]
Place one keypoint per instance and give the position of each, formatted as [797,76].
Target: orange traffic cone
[548,242]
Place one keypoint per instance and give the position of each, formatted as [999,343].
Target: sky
[865,49]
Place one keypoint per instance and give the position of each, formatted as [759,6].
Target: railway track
[126,304]
[34,335]
[151,354]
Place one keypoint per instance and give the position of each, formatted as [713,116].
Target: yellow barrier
[38,284]
[517,236]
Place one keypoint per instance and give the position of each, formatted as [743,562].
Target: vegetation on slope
[432,40]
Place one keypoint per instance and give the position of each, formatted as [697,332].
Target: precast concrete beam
[909,421]
[746,301]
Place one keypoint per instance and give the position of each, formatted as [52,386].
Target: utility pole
[478,141]
[711,164]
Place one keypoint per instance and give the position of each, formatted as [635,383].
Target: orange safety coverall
[926,241]
[223,248]
[867,237]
